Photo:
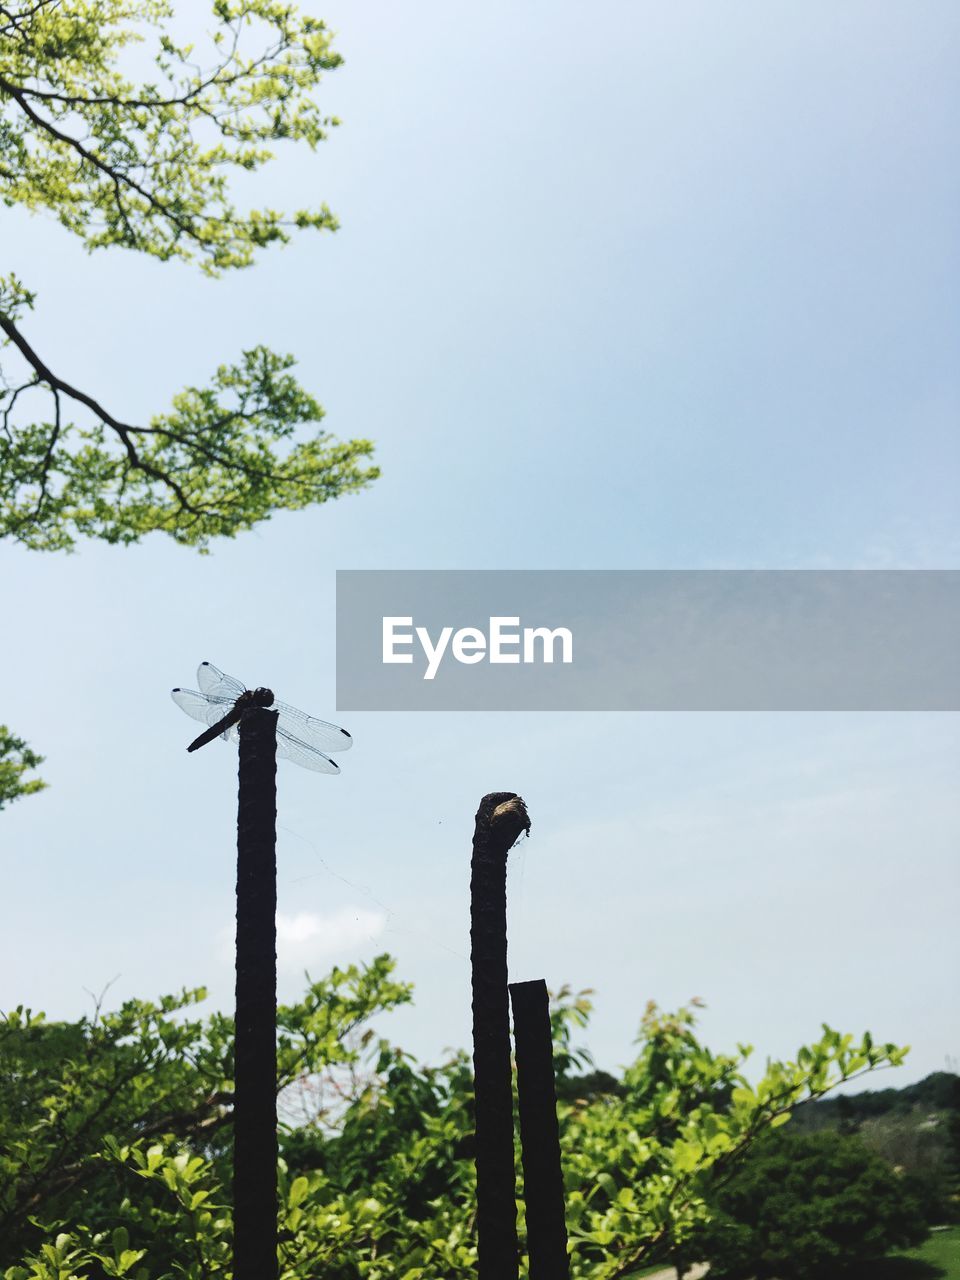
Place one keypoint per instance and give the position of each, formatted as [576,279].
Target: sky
[668,287]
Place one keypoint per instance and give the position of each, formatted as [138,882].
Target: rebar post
[501,819]
[539,1132]
[255,1051]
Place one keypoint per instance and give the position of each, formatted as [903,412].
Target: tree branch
[115,175]
[123,430]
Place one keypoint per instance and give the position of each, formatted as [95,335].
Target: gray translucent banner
[648,640]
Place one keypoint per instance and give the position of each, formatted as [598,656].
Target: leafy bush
[115,1139]
[809,1207]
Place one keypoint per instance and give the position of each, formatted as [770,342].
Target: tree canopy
[16,762]
[115,1139]
[142,161]
[128,136]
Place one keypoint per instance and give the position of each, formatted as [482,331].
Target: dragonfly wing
[215,682]
[292,748]
[201,705]
[312,732]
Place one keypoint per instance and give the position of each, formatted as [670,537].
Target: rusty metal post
[501,819]
[255,1051]
[539,1132]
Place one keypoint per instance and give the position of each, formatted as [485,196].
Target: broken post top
[501,820]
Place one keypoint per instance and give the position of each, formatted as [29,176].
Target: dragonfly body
[249,698]
[222,701]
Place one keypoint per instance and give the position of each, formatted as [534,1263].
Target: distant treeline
[915,1130]
[936,1094]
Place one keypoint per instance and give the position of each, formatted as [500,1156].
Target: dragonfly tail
[214,731]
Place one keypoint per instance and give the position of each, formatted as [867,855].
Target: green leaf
[298,1191]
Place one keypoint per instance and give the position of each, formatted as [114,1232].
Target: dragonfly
[222,700]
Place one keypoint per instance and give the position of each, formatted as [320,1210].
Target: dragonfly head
[262,697]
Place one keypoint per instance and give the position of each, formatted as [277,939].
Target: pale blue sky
[672,287]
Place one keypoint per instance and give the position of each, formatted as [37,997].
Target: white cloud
[306,937]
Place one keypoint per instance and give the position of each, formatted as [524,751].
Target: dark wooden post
[539,1132]
[501,819]
[255,1052]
